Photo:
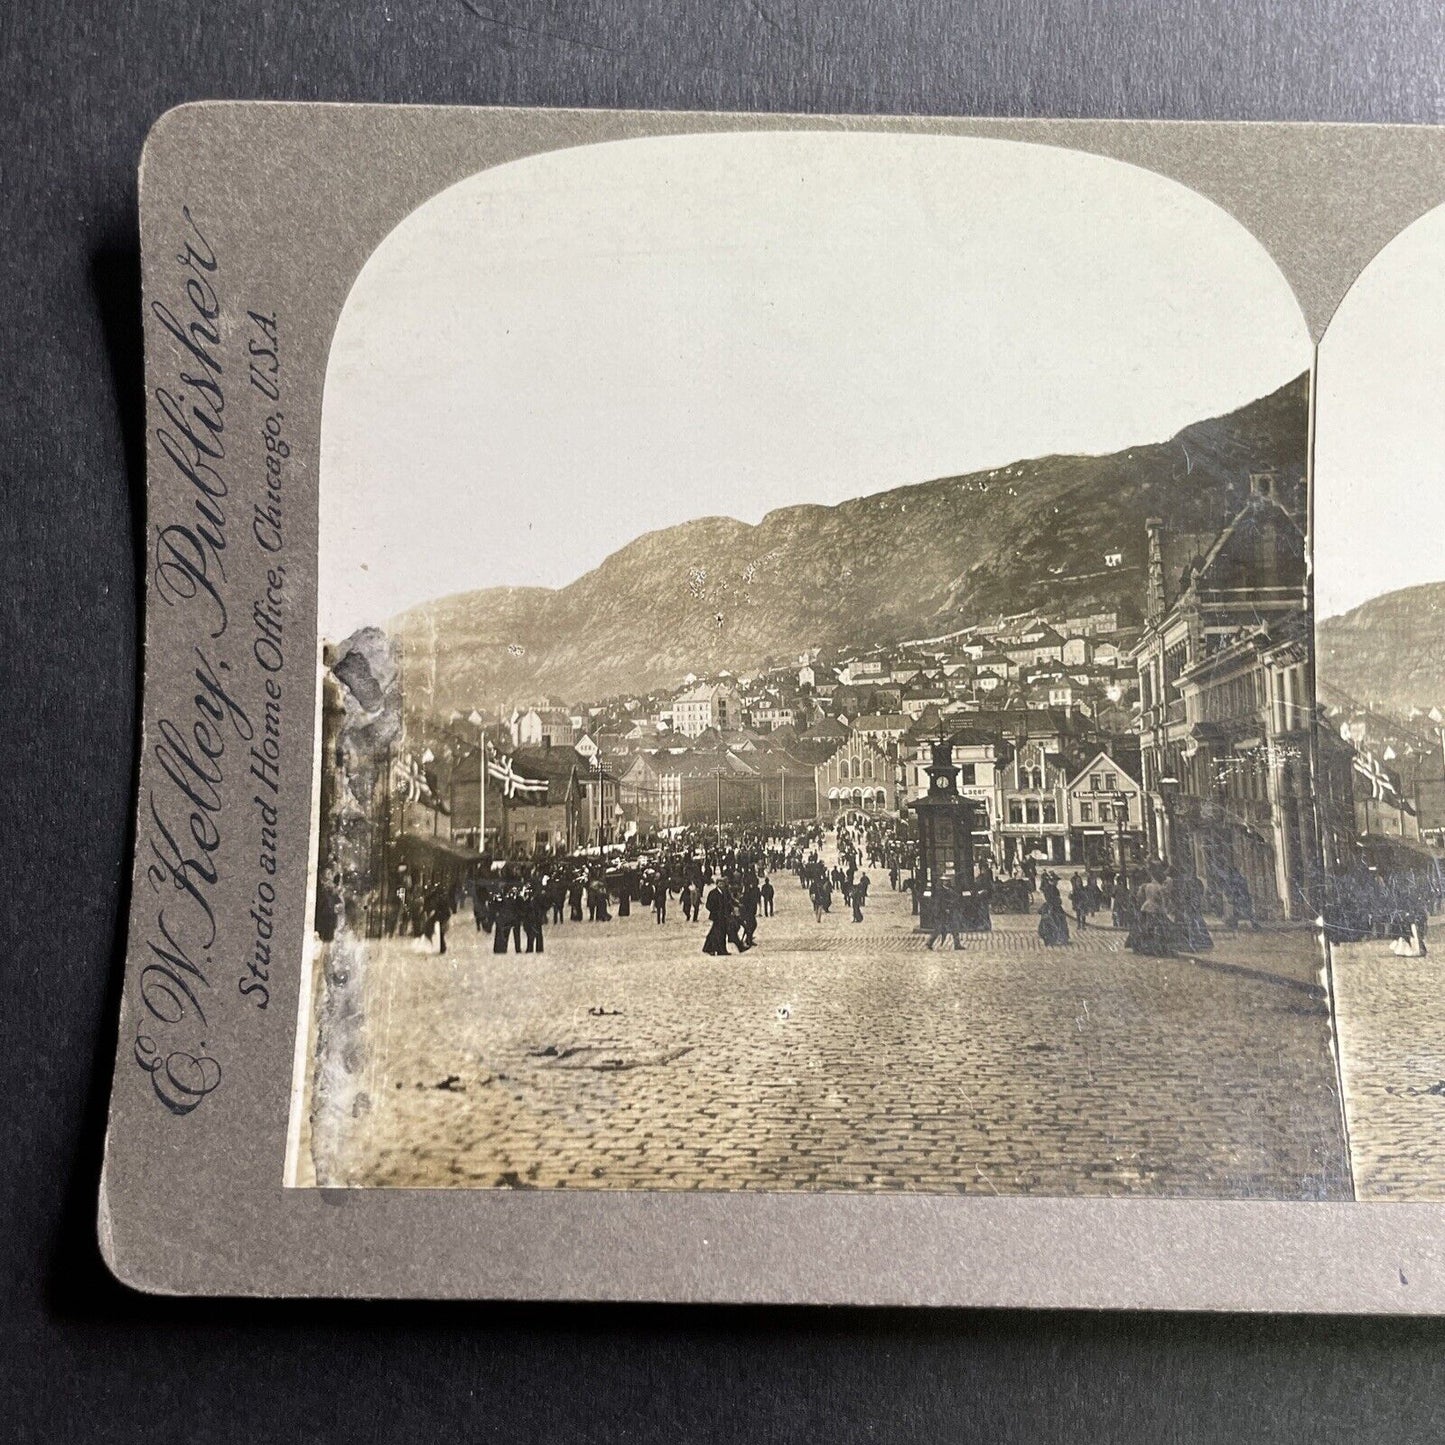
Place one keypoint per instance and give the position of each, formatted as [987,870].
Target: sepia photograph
[1380,590]
[816,691]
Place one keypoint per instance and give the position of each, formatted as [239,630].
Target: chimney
[1154,585]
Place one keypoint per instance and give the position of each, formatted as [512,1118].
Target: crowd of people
[727,878]
[1394,907]
[724,876]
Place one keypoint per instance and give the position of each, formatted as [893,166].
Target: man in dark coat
[860,897]
[947,917]
[734,925]
[719,909]
[505,922]
[748,904]
[439,908]
[534,915]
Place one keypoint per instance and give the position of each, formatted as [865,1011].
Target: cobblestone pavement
[842,1056]
[1392,1055]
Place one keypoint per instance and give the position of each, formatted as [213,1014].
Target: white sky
[556,356]
[1380,427]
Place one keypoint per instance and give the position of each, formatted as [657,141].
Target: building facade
[860,777]
[1225,689]
[1106,813]
[708,705]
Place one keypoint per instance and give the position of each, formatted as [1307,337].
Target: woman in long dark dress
[1194,932]
[1150,934]
[1053,924]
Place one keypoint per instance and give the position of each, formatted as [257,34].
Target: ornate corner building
[1225,669]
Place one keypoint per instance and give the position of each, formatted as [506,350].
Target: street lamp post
[601,776]
[1121,815]
[1168,789]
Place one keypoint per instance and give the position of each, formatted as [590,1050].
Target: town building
[1090,624]
[882,729]
[1034,819]
[860,777]
[1036,645]
[922,693]
[865,669]
[1106,813]
[639,792]
[1225,691]
[720,786]
[767,717]
[706,705]
[828,731]
[542,727]
[521,822]
[976,755]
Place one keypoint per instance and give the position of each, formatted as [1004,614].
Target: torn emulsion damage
[361,720]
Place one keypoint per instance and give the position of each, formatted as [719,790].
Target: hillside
[918,560]
[1388,652]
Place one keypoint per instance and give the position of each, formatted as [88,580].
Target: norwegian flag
[411,779]
[1382,785]
[512,782]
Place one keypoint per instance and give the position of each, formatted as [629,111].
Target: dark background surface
[85,1359]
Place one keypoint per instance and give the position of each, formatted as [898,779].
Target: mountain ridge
[924,557]
[1389,652]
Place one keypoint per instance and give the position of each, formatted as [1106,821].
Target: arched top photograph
[682,502]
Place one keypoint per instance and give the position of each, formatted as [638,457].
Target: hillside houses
[769,716]
[922,693]
[882,729]
[816,734]
[1036,644]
